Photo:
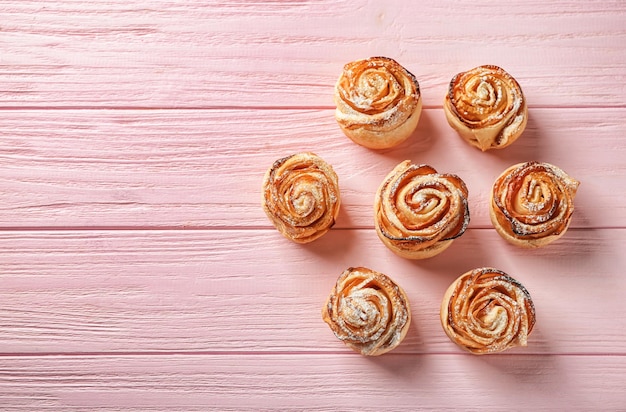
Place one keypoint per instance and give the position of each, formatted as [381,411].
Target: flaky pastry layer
[368,311]
[301,196]
[487,311]
[378,102]
[487,107]
[532,204]
[419,212]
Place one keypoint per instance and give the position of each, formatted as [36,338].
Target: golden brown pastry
[532,204]
[301,196]
[419,212]
[487,311]
[367,311]
[378,102]
[486,107]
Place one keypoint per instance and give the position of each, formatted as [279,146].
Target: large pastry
[368,311]
[486,106]
[487,311]
[532,204]
[419,212]
[301,196]
[378,102]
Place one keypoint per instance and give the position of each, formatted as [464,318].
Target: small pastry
[487,311]
[301,196]
[486,107]
[378,102]
[419,212]
[367,311]
[532,204]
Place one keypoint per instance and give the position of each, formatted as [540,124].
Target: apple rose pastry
[532,204]
[487,311]
[486,107]
[419,212]
[367,311]
[378,102]
[301,196]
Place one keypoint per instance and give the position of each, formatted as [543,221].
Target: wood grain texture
[128,291]
[325,383]
[139,273]
[249,54]
[204,168]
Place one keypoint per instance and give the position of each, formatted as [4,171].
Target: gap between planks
[218,228]
[265,108]
[290,353]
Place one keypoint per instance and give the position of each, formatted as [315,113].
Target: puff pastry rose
[419,212]
[378,102]
[487,311]
[532,203]
[301,196]
[367,311]
[486,106]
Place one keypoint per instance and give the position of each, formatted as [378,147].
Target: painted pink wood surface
[122,291]
[203,168]
[168,53]
[327,382]
[139,273]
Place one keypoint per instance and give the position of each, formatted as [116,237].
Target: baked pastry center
[375,90]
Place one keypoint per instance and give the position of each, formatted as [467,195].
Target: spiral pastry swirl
[419,212]
[301,196]
[532,204]
[378,102]
[367,311]
[487,311]
[486,106]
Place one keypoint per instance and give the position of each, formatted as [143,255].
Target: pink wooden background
[138,271]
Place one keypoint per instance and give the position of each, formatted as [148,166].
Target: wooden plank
[139,273]
[203,168]
[173,54]
[254,291]
[311,382]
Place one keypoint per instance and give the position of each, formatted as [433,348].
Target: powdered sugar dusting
[488,311]
[375,92]
[536,199]
[368,311]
